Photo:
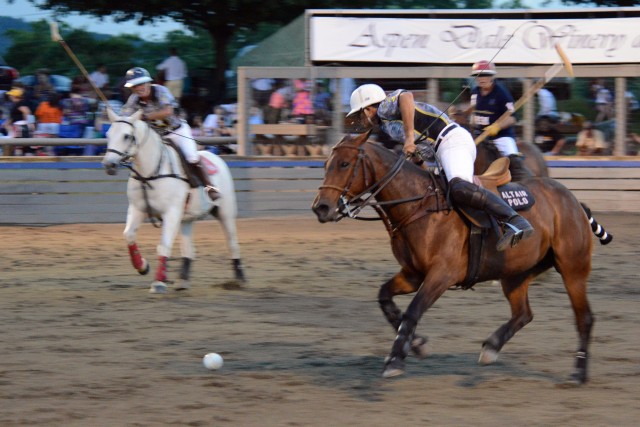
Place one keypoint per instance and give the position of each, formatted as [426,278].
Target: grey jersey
[428,119]
[160,97]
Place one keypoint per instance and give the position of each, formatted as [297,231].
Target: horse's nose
[110,168]
[322,211]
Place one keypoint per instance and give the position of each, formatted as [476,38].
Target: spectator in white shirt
[547,104]
[100,78]
[175,71]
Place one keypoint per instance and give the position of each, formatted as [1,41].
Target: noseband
[351,205]
[126,155]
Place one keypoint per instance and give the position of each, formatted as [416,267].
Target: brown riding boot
[201,174]
[516,227]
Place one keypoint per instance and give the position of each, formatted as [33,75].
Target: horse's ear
[363,137]
[136,115]
[112,115]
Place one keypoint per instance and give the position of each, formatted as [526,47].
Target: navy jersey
[428,119]
[488,108]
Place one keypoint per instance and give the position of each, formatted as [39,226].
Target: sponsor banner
[464,41]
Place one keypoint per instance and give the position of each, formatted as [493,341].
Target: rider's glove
[493,129]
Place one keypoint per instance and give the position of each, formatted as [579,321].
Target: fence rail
[43,191]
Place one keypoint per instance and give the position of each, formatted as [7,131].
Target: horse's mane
[492,151]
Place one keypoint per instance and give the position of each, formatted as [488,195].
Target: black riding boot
[517,168]
[515,227]
[201,174]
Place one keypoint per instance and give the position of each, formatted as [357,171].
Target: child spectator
[590,141]
[548,139]
[49,116]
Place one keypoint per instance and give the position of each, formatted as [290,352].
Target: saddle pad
[209,166]
[517,196]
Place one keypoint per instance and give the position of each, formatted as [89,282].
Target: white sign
[464,41]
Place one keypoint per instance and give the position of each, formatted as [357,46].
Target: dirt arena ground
[84,344]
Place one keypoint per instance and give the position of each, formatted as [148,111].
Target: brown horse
[533,158]
[430,240]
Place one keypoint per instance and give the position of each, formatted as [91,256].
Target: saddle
[497,178]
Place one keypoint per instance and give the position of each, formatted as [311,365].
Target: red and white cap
[483,68]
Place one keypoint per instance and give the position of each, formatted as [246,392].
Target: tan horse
[430,242]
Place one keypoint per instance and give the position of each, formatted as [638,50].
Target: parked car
[7,76]
[60,83]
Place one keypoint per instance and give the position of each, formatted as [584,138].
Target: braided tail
[598,230]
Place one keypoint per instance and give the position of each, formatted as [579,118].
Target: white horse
[158,188]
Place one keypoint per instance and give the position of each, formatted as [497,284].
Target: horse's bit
[345,205]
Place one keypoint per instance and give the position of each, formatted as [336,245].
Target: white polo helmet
[136,76]
[364,96]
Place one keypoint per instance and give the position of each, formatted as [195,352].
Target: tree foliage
[224,19]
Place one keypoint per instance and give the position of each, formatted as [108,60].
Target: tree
[222,19]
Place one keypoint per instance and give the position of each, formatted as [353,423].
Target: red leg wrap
[136,259]
[161,272]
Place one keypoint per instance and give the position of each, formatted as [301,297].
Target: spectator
[603,101]
[43,88]
[3,131]
[49,116]
[20,123]
[279,101]
[210,124]
[196,126]
[175,71]
[301,106]
[322,104]
[590,141]
[81,86]
[547,104]
[100,78]
[548,139]
[75,118]
[262,89]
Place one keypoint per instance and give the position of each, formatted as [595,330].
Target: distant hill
[8,23]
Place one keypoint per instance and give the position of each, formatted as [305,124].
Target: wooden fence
[41,192]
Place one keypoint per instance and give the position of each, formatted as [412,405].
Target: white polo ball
[212,361]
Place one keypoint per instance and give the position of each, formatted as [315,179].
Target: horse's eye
[344,164]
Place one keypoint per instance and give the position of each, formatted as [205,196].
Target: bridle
[131,150]
[351,205]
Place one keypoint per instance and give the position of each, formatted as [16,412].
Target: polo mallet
[55,36]
[548,75]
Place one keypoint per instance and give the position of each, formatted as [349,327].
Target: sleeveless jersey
[428,119]
[488,108]
[160,97]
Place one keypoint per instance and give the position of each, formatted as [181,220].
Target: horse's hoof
[393,367]
[145,267]
[183,285]
[419,347]
[158,288]
[487,356]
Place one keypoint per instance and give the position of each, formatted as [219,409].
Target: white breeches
[183,138]
[457,153]
[506,145]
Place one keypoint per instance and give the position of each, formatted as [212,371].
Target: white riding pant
[457,153]
[183,138]
[506,145]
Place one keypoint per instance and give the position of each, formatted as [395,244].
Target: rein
[353,206]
